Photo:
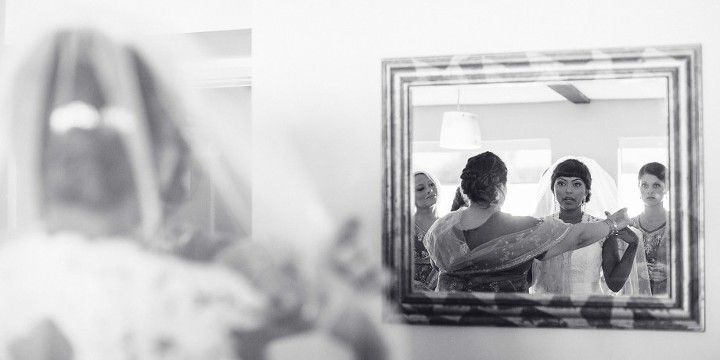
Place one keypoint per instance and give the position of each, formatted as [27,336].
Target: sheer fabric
[157,308]
[637,282]
[656,255]
[448,248]
[295,287]
[573,272]
[128,296]
[580,271]
[39,77]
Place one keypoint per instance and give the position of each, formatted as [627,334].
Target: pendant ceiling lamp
[460,130]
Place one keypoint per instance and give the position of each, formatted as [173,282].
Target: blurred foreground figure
[96,145]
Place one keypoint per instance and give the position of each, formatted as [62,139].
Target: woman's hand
[657,272]
[620,218]
[628,236]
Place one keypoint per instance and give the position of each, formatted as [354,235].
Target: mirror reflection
[518,187]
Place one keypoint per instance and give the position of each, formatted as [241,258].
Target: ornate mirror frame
[683,309]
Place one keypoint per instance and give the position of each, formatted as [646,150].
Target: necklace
[424,219]
[419,231]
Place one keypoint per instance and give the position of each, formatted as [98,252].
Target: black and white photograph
[382,180]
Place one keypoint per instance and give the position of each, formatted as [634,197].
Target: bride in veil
[581,271]
[98,134]
[95,145]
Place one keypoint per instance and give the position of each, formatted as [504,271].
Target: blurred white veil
[35,84]
[39,79]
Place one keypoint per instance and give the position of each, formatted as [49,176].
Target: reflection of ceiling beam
[571,93]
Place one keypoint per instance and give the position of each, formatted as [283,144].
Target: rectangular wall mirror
[614,110]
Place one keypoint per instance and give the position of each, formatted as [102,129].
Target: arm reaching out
[584,234]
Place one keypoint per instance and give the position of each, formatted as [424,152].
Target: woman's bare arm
[584,234]
[579,236]
[618,269]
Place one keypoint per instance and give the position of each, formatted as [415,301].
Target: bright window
[633,153]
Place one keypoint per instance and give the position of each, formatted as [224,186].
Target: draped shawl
[448,247]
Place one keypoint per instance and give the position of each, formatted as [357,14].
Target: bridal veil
[80,79]
[553,275]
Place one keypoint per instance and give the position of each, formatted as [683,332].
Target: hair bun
[482,185]
[482,176]
[469,174]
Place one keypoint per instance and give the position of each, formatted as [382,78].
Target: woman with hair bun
[459,201]
[95,145]
[96,137]
[480,248]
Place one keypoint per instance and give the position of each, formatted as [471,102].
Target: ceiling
[534,92]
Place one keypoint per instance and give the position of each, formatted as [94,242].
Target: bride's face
[570,192]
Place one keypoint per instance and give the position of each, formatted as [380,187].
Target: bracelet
[612,225]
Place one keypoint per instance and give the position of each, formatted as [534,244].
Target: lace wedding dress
[574,272]
[70,290]
[112,299]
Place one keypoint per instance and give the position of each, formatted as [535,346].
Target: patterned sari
[425,274]
[499,265]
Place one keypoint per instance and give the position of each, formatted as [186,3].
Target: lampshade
[460,130]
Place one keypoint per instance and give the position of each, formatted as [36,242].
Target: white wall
[25,18]
[317,70]
[590,130]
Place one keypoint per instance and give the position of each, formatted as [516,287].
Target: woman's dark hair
[482,176]
[572,168]
[458,200]
[653,168]
[91,166]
